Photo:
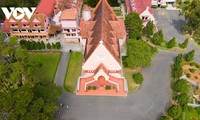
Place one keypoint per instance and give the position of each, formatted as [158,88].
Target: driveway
[148,103]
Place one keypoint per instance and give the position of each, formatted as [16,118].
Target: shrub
[190,56]
[165,118]
[181,86]
[94,87]
[49,46]
[108,87]
[174,111]
[184,44]
[188,75]
[158,38]
[89,88]
[171,43]
[192,70]
[138,78]
[58,45]
[183,99]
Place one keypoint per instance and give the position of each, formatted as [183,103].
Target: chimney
[86,13]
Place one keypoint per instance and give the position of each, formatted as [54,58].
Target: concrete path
[61,70]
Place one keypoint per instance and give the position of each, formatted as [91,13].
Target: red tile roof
[140,6]
[5,29]
[68,14]
[46,7]
[105,26]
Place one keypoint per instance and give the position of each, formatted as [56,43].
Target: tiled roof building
[143,8]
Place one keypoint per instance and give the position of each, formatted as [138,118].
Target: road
[148,103]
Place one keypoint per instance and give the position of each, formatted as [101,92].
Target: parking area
[171,23]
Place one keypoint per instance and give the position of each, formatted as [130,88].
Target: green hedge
[33,45]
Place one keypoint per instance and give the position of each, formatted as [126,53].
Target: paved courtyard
[171,23]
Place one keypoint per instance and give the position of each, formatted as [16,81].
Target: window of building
[12,24]
[23,30]
[73,34]
[67,34]
[73,30]
[24,25]
[42,30]
[66,30]
[15,30]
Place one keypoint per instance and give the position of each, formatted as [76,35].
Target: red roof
[139,5]
[46,7]
[5,29]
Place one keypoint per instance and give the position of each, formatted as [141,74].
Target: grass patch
[48,62]
[128,73]
[73,71]
[118,12]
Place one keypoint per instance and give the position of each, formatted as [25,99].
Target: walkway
[62,67]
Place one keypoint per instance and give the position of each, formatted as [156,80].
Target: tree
[197,35]
[33,102]
[171,43]
[181,86]
[191,13]
[138,78]
[158,38]
[149,28]
[190,56]
[139,53]
[21,95]
[58,45]
[53,46]
[48,45]
[183,99]
[184,44]
[134,24]
[174,111]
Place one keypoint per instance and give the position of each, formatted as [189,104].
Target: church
[105,37]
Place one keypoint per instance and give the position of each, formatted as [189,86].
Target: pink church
[104,36]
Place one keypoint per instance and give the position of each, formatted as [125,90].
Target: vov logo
[14,11]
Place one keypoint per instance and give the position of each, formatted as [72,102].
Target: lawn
[48,62]
[73,71]
[128,73]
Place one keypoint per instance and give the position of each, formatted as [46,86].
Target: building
[47,20]
[162,3]
[104,36]
[38,26]
[142,7]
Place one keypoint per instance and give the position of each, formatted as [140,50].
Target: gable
[101,56]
